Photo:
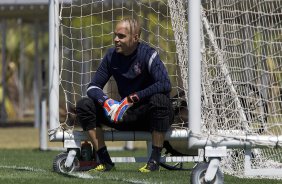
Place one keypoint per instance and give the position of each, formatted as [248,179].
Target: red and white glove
[115,110]
[110,107]
[123,107]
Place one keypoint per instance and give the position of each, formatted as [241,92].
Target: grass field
[28,165]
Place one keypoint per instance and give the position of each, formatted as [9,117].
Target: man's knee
[84,105]
[160,100]
[161,113]
[85,109]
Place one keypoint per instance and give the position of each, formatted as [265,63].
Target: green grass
[31,166]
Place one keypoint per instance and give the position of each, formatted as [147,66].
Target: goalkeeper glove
[115,110]
[123,107]
[110,107]
[125,104]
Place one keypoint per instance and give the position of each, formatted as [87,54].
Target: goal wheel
[59,163]
[199,171]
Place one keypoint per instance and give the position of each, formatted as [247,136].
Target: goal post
[54,63]
[194,66]
[229,51]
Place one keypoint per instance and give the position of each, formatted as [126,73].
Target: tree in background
[20,59]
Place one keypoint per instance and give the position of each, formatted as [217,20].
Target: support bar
[60,136]
[239,141]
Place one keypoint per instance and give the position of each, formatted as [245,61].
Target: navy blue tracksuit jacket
[142,72]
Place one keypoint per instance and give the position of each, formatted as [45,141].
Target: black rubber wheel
[198,175]
[59,164]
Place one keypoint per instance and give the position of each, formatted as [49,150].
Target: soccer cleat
[150,166]
[103,168]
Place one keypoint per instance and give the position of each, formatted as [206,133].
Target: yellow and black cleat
[150,166]
[103,168]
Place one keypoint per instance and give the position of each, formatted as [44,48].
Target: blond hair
[134,26]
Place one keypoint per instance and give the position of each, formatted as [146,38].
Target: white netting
[87,32]
[241,61]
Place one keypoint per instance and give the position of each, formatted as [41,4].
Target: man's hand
[115,110]
[123,107]
[110,107]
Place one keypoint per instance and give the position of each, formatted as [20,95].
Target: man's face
[125,43]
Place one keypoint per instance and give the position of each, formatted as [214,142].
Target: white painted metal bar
[234,142]
[249,171]
[163,159]
[36,74]
[243,141]
[194,66]
[43,120]
[59,136]
[43,126]
[53,63]
[22,2]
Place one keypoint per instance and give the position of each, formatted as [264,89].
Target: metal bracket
[215,151]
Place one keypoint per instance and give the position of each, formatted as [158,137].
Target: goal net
[241,76]
[241,62]
[87,32]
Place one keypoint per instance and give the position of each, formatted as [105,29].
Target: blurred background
[23,76]
[24,54]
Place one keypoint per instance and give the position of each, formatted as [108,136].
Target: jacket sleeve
[99,80]
[159,75]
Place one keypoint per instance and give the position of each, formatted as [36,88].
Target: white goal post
[228,50]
